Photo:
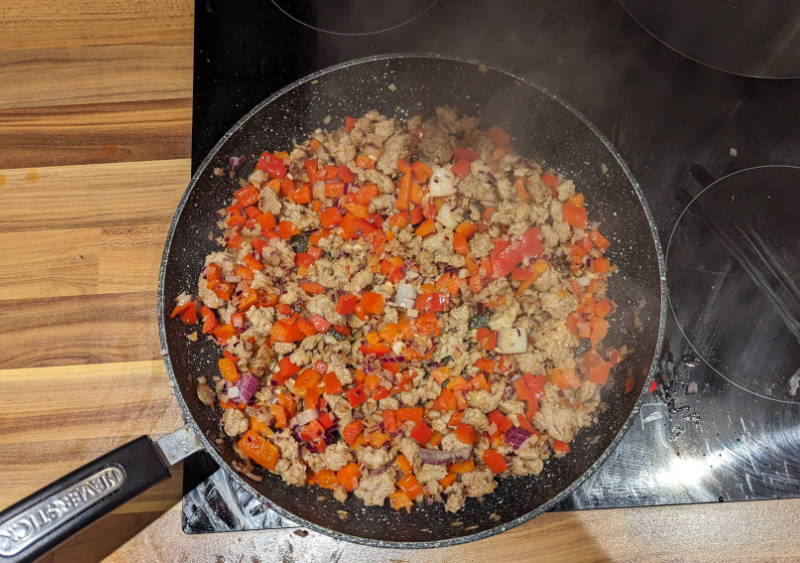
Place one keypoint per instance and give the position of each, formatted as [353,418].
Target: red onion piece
[236,161]
[439,457]
[303,417]
[248,384]
[516,436]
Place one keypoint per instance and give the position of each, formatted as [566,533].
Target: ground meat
[484,400]
[373,457]
[559,420]
[341,146]
[373,488]
[476,418]
[480,245]
[295,474]
[334,457]
[395,146]
[436,147]
[455,500]
[479,483]
[286,444]
[234,422]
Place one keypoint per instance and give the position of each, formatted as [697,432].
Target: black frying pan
[543,127]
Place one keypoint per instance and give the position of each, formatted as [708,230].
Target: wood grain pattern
[95,133]
[707,532]
[58,262]
[30,24]
[84,329]
[99,195]
[95,74]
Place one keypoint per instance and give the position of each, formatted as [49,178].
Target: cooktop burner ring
[394,15]
[734,280]
[756,40]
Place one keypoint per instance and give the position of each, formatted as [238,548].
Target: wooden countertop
[95,126]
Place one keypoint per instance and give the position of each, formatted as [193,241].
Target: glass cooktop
[714,154]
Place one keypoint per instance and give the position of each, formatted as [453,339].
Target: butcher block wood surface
[95,128]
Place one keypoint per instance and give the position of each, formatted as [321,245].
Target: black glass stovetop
[722,423]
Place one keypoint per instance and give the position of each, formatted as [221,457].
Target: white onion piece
[233,392]
[303,417]
[446,217]
[512,341]
[442,182]
[318,189]
[406,296]
[583,281]
[183,298]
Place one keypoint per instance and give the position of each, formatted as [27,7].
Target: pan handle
[41,521]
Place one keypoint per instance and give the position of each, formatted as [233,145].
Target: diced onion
[583,281]
[303,417]
[247,385]
[233,392]
[236,161]
[446,217]
[443,182]
[406,296]
[516,436]
[205,394]
[512,341]
[318,189]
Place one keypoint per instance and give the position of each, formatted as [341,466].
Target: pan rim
[209,447]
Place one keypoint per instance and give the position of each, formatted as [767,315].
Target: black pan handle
[38,523]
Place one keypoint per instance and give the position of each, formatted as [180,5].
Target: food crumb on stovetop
[342,514]
[218,171]
[192,336]
[392,87]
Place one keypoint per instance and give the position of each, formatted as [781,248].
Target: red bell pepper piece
[504,258]
[271,164]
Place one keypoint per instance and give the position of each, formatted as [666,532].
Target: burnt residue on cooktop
[718,426]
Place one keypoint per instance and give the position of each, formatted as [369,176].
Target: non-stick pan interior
[542,127]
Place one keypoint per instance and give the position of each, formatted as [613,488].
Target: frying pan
[543,127]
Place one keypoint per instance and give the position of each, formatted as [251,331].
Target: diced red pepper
[247,195]
[357,395]
[320,323]
[390,421]
[285,331]
[332,384]
[352,430]
[271,164]
[461,168]
[461,153]
[422,432]
[500,421]
[349,123]
[504,258]
[432,302]
[346,304]
[487,338]
[495,461]
[209,319]
[560,446]
[326,420]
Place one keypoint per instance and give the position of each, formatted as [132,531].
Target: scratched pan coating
[542,127]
